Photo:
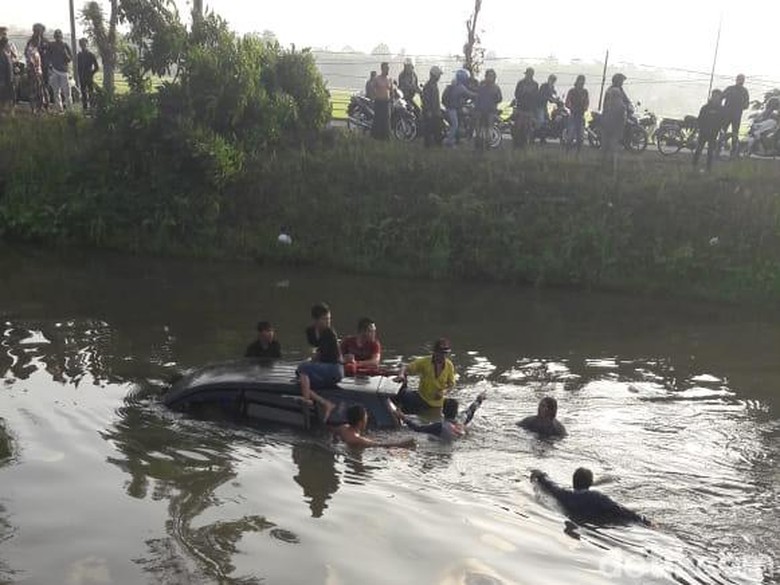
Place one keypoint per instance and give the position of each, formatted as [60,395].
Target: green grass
[540,217]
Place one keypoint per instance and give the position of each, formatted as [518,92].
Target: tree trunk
[109,57]
[470,60]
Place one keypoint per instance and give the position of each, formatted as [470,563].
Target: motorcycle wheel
[358,123]
[636,140]
[669,141]
[495,137]
[405,129]
[594,139]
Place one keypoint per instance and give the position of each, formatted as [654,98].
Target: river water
[676,402]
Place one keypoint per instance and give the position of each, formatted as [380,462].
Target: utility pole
[603,79]
[73,43]
[197,10]
[715,57]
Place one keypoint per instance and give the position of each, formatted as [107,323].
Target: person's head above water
[548,408]
[441,349]
[265,331]
[357,417]
[450,409]
[582,478]
[320,313]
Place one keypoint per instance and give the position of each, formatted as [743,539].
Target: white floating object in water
[714,241]
[285,239]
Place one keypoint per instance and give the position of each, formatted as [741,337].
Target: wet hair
[582,478]
[450,408]
[264,326]
[551,404]
[364,324]
[319,310]
[355,414]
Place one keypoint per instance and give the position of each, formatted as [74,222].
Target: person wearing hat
[437,377]
[526,107]
[614,116]
[431,109]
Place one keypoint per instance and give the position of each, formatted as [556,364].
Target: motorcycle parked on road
[404,123]
[764,135]
[634,139]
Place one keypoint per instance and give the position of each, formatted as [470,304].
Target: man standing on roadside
[613,119]
[382,89]
[409,85]
[547,95]
[578,102]
[526,104]
[10,48]
[486,108]
[59,59]
[87,67]
[370,85]
[431,109]
[735,101]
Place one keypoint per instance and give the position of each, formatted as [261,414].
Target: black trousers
[380,129]
[733,121]
[432,130]
[87,91]
[711,141]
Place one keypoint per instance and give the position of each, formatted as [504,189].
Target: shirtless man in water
[352,432]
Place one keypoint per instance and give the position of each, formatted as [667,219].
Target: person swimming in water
[544,422]
[583,504]
[449,427]
[352,431]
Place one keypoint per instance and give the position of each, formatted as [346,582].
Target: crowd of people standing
[442,112]
[41,74]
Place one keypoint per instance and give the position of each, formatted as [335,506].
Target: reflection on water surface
[675,402]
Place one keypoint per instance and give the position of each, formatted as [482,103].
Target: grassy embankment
[539,217]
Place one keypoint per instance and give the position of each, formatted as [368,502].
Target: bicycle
[674,135]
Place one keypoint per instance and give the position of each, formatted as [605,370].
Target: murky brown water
[677,401]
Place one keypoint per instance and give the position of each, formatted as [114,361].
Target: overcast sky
[668,33]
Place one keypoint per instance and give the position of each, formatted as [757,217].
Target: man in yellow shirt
[437,377]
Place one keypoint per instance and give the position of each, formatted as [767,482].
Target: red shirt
[362,352]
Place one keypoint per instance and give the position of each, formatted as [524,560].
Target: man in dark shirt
[735,101]
[585,505]
[527,93]
[59,61]
[486,107]
[87,67]
[431,109]
[578,102]
[547,95]
[326,368]
[545,423]
[710,123]
[409,85]
[265,346]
